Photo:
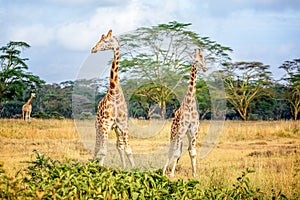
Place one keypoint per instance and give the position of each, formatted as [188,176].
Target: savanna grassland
[270,148]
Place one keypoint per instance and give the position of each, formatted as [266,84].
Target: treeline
[79,99]
[155,72]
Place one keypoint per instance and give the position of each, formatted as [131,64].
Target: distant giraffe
[186,120]
[27,108]
[112,109]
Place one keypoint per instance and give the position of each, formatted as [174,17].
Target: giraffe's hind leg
[170,155]
[173,139]
[178,148]
[177,154]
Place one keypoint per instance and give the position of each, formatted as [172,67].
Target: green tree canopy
[14,77]
[245,82]
[292,77]
[160,55]
[146,96]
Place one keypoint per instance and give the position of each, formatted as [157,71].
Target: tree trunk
[296,112]
[163,109]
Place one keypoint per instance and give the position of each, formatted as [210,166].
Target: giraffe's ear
[200,50]
[102,37]
[109,34]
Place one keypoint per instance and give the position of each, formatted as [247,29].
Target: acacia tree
[160,55]
[203,98]
[216,98]
[14,77]
[245,82]
[281,109]
[292,93]
[148,94]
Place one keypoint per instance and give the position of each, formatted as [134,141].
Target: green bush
[40,115]
[56,115]
[45,178]
[86,115]
[43,115]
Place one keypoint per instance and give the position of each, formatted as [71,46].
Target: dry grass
[271,148]
[56,138]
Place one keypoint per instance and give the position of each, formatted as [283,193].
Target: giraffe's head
[198,60]
[33,95]
[107,42]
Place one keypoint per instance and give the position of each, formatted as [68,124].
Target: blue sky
[62,32]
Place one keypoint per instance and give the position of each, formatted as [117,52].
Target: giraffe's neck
[192,85]
[29,101]
[114,80]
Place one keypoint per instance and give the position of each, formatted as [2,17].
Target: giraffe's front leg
[26,116]
[29,113]
[101,144]
[120,144]
[128,152]
[123,146]
[97,144]
[192,137]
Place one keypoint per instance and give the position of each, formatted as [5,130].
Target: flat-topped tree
[159,55]
[292,92]
[245,82]
[14,75]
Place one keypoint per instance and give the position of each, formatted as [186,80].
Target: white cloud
[88,2]
[75,36]
[71,2]
[123,18]
[81,35]
[35,35]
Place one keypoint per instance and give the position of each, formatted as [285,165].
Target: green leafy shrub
[45,178]
[56,115]
[86,115]
[40,115]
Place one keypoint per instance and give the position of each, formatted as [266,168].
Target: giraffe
[186,120]
[27,108]
[112,109]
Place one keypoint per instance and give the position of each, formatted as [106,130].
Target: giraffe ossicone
[27,108]
[112,111]
[186,120]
